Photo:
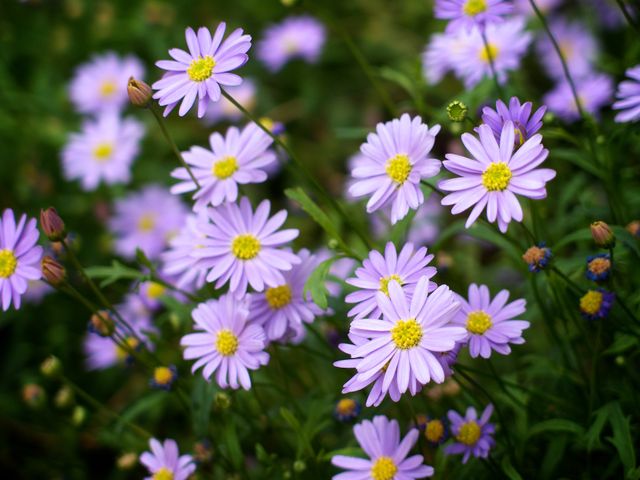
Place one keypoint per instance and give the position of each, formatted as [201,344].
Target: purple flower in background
[436,58]
[36,291]
[594,92]
[285,307]
[424,228]
[526,125]
[545,6]
[495,175]
[19,257]
[380,440]
[244,94]
[226,342]
[577,45]
[397,159]
[164,462]
[101,83]
[490,324]
[147,220]
[467,14]
[406,268]
[596,304]
[103,151]
[472,435]
[242,247]
[237,158]
[295,37]
[448,359]
[200,72]
[628,95]
[608,14]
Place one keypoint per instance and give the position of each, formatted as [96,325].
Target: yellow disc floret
[469,433]
[201,68]
[406,334]
[384,469]
[434,431]
[226,342]
[162,375]
[591,302]
[163,474]
[147,222]
[478,322]
[474,7]
[8,263]
[102,152]
[398,168]
[496,177]
[124,351]
[245,246]
[384,282]
[278,297]
[155,290]
[489,52]
[108,88]
[346,406]
[225,167]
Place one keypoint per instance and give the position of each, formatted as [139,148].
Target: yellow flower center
[591,302]
[278,297]
[489,52]
[434,431]
[534,255]
[599,265]
[245,247]
[384,282]
[406,334]
[398,168]
[201,68]
[108,88]
[8,263]
[102,152]
[147,222]
[122,353]
[384,469]
[478,322]
[226,342]
[163,474]
[155,290]
[469,433]
[225,168]
[474,7]
[496,177]
[162,375]
[346,406]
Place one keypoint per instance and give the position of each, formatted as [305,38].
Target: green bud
[79,415]
[64,397]
[457,111]
[299,466]
[222,401]
[127,461]
[51,367]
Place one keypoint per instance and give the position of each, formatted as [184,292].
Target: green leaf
[577,157]
[556,425]
[348,451]
[316,283]
[290,419]
[581,235]
[626,239]
[592,436]
[232,444]
[509,470]
[117,271]
[144,405]
[621,343]
[621,439]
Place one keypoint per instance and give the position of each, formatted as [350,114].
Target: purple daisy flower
[526,125]
[380,440]
[101,83]
[594,92]
[226,342]
[295,37]
[596,304]
[242,247]
[164,462]
[147,220]
[244,94]
[237,158]
[397,159]
[490,325]
[628,95]
[286,307]
[438,54]
[346,409]
[577,45]
[19,257]
[435,430]
[466,14]
[377,271]
[448,359]
[408,336]
[200,72]
[598,267]
[495,174]
[472,435]
[103,151]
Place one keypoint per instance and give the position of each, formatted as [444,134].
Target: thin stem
[567,280]
[492,65]
[502,385]
[531,236]
[172,144]
[627,310]
[627,15]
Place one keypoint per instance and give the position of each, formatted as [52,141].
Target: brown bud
[33,395]
[602,235]
[52,225]
[52,271]
[127,461]
[634,228]
[102,323]
[139,93]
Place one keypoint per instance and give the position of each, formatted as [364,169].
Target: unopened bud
[127,461]
[79,415]
[52,225]
[602,235]
[457,111]
[51,367]
[222,401]
[52,271]
[64,397]
[299,466]
[634,228]
[33,395]
[139,93]
[102,323]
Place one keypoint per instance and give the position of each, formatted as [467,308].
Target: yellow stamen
[122,353]
[102,152]
[490,52]
[591,302]
[155,290]
[384,282]
[108,88]
[469,433]
[245,247]
[225,167]
[147,222]
[163,474]
[8,263]
[278,297]
[201,68]
[478,322]
[346,406]
[474,7]
[496,177]
[434,431]
[162,375]
[398,168]
[384,469]
[226,342]
[406,334]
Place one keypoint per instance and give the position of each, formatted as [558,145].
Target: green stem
[492,66]
[531,236]
[499,380]
[627,310]
[567,280]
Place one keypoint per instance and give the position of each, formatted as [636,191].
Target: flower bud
[222,401]
[537,257]
[102,323]
[51,367]
[52,271]
[602,235]
[634,228]
[79,415]
[457,111]
[52,225]
[127,461]
[64,397]
[33,395]
[139,93]
[299,466]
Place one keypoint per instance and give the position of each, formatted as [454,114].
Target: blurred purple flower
[472,435]
[467,14]
[164,462]
[594,92]
[545,6]
[526,125]
[628,95]
[244,94]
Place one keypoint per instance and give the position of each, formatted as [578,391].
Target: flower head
[596,304]
[525,124]
[439,52]
[495,174]
[407,268]
[396,160]
[490,323]
[466,14]
[19,257]
[164,461]
[346,409]
[200,72]
[472,435]
[594,92]
[242,247]
[245,94]
[537,257]
[295,37]
[598,267]
[163,377]
[435,430]
[628,95]
[101,83]
[225,343]
[235,159]
[103,151]
[634,228]
[380,440]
